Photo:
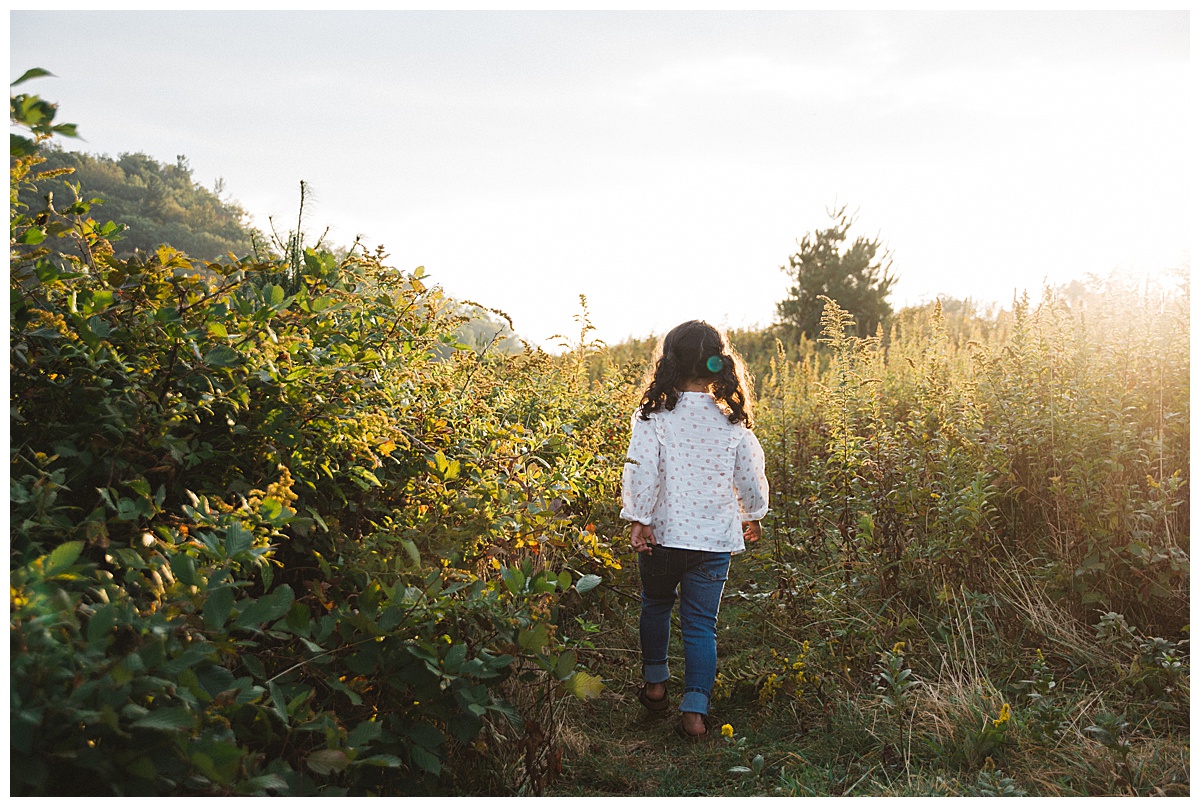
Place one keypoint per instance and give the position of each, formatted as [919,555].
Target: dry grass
[1045,618]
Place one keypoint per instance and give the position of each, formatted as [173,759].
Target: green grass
[841,739]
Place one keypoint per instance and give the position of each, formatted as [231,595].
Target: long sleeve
[750,478]
[639,479]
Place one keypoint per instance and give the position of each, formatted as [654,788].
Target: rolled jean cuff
[655,673]
[694,700]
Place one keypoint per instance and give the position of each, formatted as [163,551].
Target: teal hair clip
[714,364]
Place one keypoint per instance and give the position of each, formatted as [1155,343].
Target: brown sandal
[693,738]
[652,705]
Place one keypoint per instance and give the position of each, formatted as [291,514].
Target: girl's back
[696,475]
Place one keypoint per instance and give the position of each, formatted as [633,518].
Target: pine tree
[858,277]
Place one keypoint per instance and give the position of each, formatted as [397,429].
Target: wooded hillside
[158,203]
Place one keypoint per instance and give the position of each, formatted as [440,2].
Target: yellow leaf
[584,685]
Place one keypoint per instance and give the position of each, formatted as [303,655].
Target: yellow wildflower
[721,688]
[769,687]
[727,730]
[1005,715]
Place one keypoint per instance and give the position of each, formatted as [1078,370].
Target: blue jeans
[700,578]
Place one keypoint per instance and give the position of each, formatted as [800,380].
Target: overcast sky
[663,164]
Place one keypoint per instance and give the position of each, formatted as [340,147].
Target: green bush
[279,542]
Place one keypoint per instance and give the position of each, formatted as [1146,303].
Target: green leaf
[565,665]
[426,736]
[514,580]
[215,679]
[270,781]
[455,658]
[101,300]
[364,474]
[425,760]
[169,719]
[191,657]
[129,558]
[271,510]
[142,768]
[584,685]
[587,583]
[19,146]
[535,638]
[499,662]
[184,568]
[62,557]
[299,619]
[464,727]
[411,549]
[222,356]
[101,624]
[237,539]
[381,761]
[327,761]
[33,72]
[267,608]
[340,686]
[279,702]
[365,733]
[99,327]
[218,606]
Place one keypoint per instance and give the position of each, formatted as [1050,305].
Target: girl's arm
[750,478]
[639,479]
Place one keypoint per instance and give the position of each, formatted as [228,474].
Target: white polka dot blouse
[693,476]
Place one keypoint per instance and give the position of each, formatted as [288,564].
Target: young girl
[695,490]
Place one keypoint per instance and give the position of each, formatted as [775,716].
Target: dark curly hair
[696,351]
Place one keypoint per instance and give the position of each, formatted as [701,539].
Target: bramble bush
[289,542]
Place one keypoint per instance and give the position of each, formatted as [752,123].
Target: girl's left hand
[642,538]
[751,530]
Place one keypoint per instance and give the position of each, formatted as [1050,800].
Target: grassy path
[845,741]
[614,747]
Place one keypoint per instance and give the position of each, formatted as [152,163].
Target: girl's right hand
[751,530]
[642,538]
